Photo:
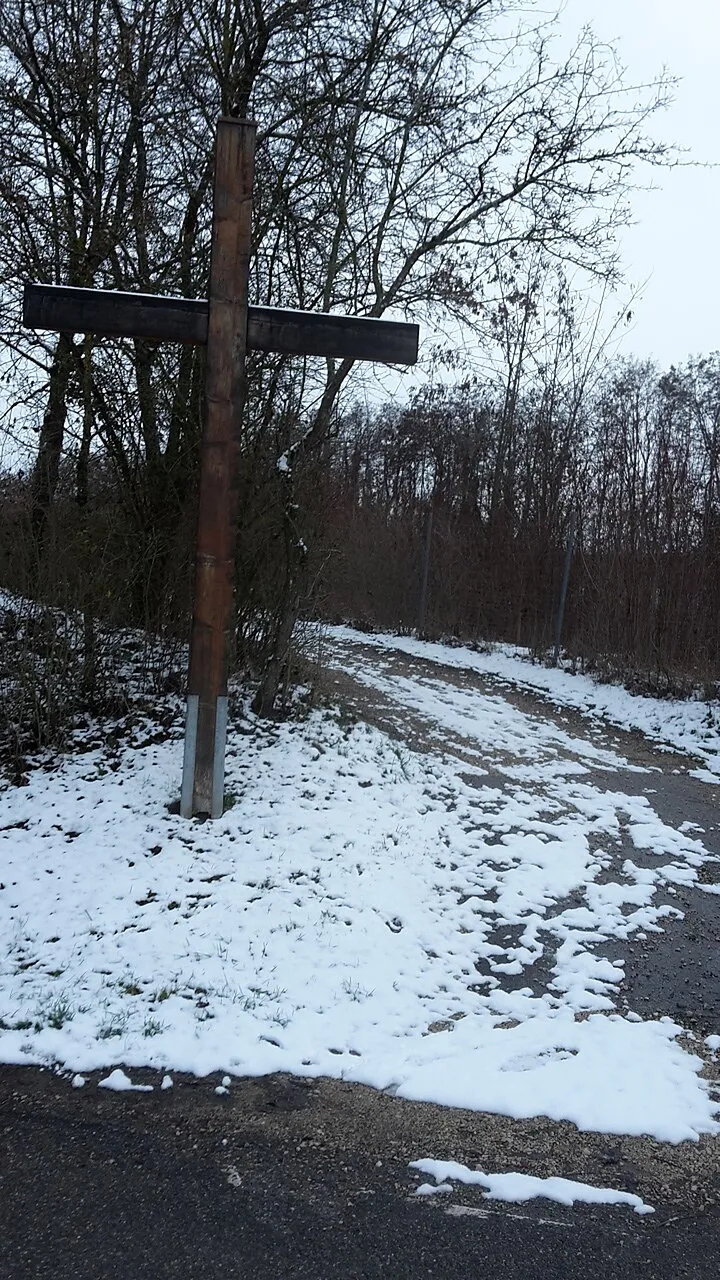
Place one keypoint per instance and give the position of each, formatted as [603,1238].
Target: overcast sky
[675,242]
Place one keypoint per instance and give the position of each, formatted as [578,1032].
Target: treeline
[487,483]
[432,162]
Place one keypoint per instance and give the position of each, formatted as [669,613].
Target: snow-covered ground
[361,912]
[687,725]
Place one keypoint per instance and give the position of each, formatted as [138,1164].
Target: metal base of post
[191,798]
[218,781]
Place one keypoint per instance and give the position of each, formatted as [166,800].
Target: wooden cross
[228,327]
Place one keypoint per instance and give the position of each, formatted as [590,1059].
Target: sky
[672,250]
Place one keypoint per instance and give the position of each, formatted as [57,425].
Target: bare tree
[402,151]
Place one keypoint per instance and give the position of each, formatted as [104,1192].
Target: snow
[688,726]
[162,299]
[167,1082]
[78,1081]
[520,1187]
[118,1082]
[361,912]
[705,775]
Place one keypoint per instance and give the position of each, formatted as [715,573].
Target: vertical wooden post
[422,609]
[560,615]
[205,727]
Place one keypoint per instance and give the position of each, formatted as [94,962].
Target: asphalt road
[283,1179]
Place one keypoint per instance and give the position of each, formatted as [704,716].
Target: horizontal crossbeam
[142,315]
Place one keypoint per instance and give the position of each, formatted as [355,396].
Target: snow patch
[120,1083]
[517,1188]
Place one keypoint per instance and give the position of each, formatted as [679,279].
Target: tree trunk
[289,603]
[265,698]
[52,432]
